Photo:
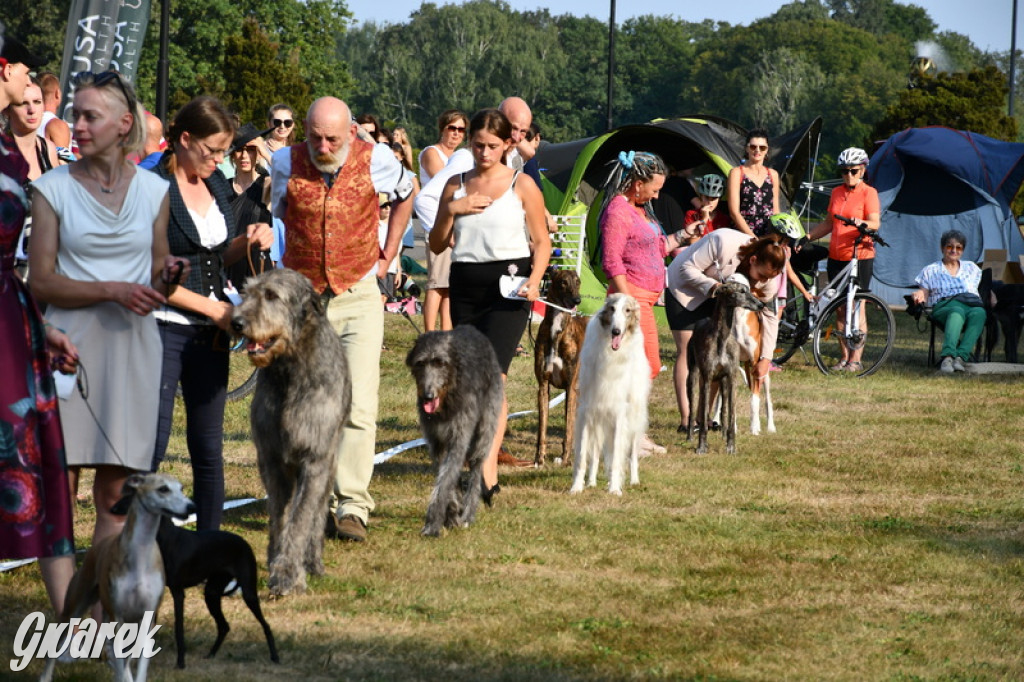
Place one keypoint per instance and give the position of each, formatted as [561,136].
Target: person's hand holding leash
[63,353]
[260,234]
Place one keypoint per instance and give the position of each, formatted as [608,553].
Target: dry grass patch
[877,536]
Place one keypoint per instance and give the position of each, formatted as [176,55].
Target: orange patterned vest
[331,232]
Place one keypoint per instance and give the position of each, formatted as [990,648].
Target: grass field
[877,536]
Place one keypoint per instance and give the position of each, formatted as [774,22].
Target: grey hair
[953,236]
[629,167]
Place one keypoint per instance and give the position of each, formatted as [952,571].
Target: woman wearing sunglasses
[100,260]
[852,199]
[282,119]
[451,128]
[754,188]
[194,325]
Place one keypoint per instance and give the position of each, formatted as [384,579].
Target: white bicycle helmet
[788,225]
[712,185]
[853,156]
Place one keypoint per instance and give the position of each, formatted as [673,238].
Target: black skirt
[476,300]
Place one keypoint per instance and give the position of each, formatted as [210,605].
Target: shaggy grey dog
[301,402]
[459,394]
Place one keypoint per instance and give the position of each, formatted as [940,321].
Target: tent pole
[1013,57]
[611,60]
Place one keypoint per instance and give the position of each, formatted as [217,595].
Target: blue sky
[986,22]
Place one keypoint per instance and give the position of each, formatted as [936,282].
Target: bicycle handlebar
[862,228]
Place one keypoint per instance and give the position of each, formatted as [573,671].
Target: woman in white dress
[100,260]
[451,126]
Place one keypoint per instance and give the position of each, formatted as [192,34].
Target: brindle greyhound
[125,572]
[716,357]
[556,358]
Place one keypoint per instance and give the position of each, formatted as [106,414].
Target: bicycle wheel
[875,343]
[794,330]
[241,375]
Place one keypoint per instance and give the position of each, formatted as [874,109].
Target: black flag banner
[102,35]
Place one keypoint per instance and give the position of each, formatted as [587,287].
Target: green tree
[882,17]
[975,101]
[253,60]
[41,25]
[783,90]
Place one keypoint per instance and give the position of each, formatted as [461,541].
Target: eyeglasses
[386,205]
[283,122]
[757,147]
[100,80]
[954,247]
[456,129]
[209,152]
[252,149]
[849,171]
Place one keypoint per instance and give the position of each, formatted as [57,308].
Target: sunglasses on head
[757,147]
[456,129]
[283,122]
[102,79]
[849,171]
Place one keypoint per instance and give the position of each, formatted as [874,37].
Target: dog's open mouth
[431,405]
[616,341]
[259,347]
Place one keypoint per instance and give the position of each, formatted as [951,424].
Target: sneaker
[351,528]
[958,365]
[946,366]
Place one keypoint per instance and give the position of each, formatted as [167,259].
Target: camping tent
[573,172]
[930,180]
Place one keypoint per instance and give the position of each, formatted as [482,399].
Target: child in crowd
[699,222]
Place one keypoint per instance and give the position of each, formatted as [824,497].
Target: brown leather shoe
[351,528]
[505,458]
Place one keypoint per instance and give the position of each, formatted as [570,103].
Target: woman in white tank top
[499,228]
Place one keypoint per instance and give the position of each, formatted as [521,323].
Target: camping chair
[991,332]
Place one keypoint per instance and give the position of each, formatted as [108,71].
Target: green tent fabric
[573,172]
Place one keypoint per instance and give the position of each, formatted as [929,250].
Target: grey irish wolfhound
[459,393]
[301,402]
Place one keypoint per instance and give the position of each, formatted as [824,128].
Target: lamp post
[1013,57]
[162,61]
[611,61]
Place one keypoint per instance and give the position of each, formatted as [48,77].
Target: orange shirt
[857,203]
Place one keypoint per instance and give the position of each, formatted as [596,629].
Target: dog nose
[576,300]
[616,331]
[237,325]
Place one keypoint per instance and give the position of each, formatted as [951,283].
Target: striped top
[940,284]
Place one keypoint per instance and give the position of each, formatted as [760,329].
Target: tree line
[848,61]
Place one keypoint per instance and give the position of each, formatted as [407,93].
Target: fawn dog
[556,358]
[716,357]
[125,572]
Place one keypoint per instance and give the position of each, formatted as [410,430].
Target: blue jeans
[191,358]
[956,317]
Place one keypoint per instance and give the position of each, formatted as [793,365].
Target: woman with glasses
[100,260]
[950,287]
[194,325]
[281,119]
[754,188]
[852,199]
[451,128]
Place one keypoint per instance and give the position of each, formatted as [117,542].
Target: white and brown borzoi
[716,358]
[614,384]
[458,394]
[301,403]
[556,363]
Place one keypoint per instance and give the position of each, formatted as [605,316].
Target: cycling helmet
[788,225]
[854,156]
[711,185]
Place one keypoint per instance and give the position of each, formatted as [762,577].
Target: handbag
[967,298]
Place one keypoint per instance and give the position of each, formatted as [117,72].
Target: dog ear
[122,506]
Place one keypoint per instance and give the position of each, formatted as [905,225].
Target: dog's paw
[771,428]
[730,449]
[576,490]
[557,461]
[702,450]
[617,492]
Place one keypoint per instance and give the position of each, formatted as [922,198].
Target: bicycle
[828,321]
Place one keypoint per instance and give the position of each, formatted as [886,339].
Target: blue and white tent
[933,179]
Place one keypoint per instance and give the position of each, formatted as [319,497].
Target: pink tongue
[616,341]
[253,347]
[431,406]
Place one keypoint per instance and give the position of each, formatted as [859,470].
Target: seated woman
[950,287]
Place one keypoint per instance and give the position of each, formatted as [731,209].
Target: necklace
[104,188]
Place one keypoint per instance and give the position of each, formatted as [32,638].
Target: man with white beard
[326,192]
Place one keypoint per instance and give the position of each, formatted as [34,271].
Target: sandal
[854,367]
[839,366]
